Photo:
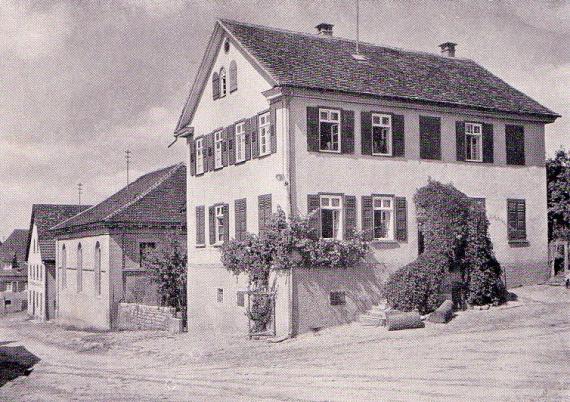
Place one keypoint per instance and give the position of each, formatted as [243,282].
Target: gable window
[223,82]
[383,218]
[220,224]
[381,134]
[240,142]
[329,130]
[264,134]
[331,217]
[474,142]
[200,156]
[218,143]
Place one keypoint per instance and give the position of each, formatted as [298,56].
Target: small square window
[220,295]
[337,298]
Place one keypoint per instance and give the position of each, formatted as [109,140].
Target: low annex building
[13,272]
[311,123]
[40,255]
[101,251]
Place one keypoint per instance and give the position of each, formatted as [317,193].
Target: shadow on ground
[15,361]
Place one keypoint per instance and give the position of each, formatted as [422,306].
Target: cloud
[32,34]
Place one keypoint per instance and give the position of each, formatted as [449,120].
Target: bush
[418,285]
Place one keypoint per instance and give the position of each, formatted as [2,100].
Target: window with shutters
[219,224]
[516,219]
[383,218]
[264,211]
[381,134]
[264,134]
[223,83]
[218,148]
[200,226]
[240,218]
[331,217]
[329,130]
[473,142]
[240,142]
[199,155]
[145,250]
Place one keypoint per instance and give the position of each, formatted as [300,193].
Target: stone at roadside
[402,320]
[443,313]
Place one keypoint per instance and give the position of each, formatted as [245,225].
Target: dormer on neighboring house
[301,123]
[40,256]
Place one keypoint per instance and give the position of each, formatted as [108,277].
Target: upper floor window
[223,82]
[474,142]
[218,144]
[381,134]
[329,130]
[383,218]
[220,224]
[264,134]
[331,217]
[200,156]
[240,142]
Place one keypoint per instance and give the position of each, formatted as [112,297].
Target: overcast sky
[80,84]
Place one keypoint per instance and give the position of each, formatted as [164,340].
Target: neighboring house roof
[158,197]
[310,61]
[44,216]
[15,244]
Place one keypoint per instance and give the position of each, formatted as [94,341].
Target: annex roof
[158,197]
[44,216]
[322,62]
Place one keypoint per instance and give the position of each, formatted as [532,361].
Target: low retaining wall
[140,316]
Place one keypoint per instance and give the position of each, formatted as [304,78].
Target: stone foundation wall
[140,316]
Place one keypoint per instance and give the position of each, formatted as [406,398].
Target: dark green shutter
[398,135]
[226,134]
[366,133]
[347,132]
[460,140]
[514,137]
[200,225]
[349,216]
[215,85]
[253,121]
[226,223]
[233,84]
[264,211]
[488,143]
[192,157]
[209,158]
[516,219]
[231,146]
[273,130]
[247,130]
[430,137]
[313,209]
[313,129]
[212,226]
[367,217]
[401,219]
[240,211]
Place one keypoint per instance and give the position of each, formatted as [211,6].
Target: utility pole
[357,26]
[79,191]
[128,158]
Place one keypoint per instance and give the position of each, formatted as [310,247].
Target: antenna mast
[357,26]
[79,191]
[128,158]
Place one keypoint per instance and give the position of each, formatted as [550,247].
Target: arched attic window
[223,82]
[215,85]
[233,76]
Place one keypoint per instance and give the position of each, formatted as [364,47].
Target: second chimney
[325,29]
[448,49]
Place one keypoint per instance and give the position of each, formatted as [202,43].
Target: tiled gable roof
[15,244]
[156,197]
[44,216]
[326,63]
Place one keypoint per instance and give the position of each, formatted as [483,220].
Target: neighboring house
[40,255]
[296,120]
[101,252]
[13,272]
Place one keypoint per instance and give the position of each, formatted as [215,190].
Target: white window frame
[264,124]
[329,119]
[240,142]
[218,148]
[327,202]
[378,205]
[223,82]
[378,121]
[473,132]
[219,223]
[200,155]
[9,287]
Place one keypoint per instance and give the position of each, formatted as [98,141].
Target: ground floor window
[331,217]
[384,218]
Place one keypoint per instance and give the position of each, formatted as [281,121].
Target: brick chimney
[448,49]
[325,29]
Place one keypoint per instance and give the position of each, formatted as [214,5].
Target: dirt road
[517,352]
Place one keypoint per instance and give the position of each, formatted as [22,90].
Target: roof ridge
[170,172]
[343,39]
